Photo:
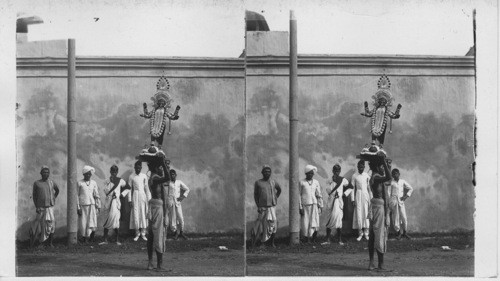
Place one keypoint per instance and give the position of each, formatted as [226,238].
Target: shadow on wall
[206,145]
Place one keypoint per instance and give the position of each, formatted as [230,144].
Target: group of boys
[136,191]
[377,198]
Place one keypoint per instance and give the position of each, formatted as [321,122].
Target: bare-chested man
[378,213]
[157,212]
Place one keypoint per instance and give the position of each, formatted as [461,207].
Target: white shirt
[175,188]
[398,189]
[138,183]
[310,193]
[361,183]
[88,194]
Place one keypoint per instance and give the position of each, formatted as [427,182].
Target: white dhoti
[138,214]
[335,212]
[113,219]
[43,225]
[310,220]
[360,217]
[398,214]
[265,224]
[175,216]
[88,220]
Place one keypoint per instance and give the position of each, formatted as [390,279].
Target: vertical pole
[475,52]
[294,137]
[71,180]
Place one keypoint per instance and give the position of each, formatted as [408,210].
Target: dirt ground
[421,256]
[198,256]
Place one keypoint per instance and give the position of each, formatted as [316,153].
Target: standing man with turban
[112,190]
[266,192]
[138,198]
[310,204]
[89,204]
[335,204]
[361,198]
[45,192]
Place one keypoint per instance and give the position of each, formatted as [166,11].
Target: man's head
[336,170]
[395,174]
[374,166]
[266,172]
[309,171]
[361,166]
[173,175]
[138,167]
[113,171]
[87,172]
[154,167]
[45,172]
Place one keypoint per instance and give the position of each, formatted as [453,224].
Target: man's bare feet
[383,270]
[371,266]
[161,269]
[181,235]
[150,265]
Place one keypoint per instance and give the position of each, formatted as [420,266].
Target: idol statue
[160,113]
[380,114]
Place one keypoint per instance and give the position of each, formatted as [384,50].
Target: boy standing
[113,204]
[177,191]
[400,191]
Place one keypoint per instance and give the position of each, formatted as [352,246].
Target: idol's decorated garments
[160,113]
[380,114]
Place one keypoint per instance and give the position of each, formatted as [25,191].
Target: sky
[216,28]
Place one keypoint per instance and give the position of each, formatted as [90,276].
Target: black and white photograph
[250,138]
